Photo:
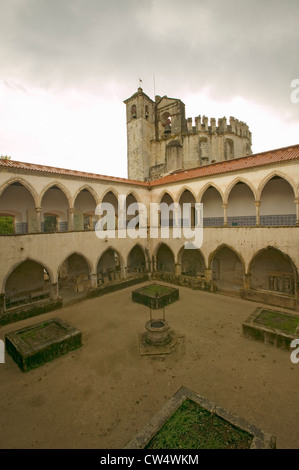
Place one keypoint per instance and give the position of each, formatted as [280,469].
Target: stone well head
[158,332]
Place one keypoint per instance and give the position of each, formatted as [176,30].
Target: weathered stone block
[35,345]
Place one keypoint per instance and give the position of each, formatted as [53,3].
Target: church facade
[50,251]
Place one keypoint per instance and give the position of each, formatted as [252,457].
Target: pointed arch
[16,265]
[91,191]
[109,190]
[64,190]
[182,190]
[233,183]
[24,183]
[206,187]
[192,261]
[165,258]
[228,268]
[279,174]
[162,194]
[74,273]
[273,270]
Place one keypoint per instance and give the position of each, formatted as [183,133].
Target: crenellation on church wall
[203,140]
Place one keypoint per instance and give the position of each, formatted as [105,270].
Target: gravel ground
[101,395]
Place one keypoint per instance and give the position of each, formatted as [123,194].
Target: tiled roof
[62,171]
[252,161]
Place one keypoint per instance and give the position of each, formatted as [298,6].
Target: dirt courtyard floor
[101,395]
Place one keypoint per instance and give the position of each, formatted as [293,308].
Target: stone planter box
[253,329]
[146,295]
[35,345]
[260,439]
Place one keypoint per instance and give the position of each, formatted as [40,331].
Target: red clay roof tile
[252,161]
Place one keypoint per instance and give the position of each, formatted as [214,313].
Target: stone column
[246,281]
[297,210]
[71,219]
[224,206]
[209,274]
[257,212]
[178,269]
[123,272]
[54,291]
[38,211]
[93,280]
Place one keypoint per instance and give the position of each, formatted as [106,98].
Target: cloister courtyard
[103,394]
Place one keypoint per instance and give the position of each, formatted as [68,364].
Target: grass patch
[154,289]
[278,320]
[194,427]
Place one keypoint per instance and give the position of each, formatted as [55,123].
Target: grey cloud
[247,48]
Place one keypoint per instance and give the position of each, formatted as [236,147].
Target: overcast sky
[68,65]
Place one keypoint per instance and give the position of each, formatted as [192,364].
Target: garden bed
[274,327]
[189,421]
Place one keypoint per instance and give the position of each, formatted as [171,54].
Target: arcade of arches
[47,231]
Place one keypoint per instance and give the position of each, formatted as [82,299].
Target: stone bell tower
[140,131]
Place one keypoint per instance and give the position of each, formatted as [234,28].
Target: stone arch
[163,194]
[192,262]
[228,268]
[84,208]
[212,199]
[277,201]
[271,269]
[91,191]
[109,190]
[233,183]
[182,190]
[206,187]
[187,196]
[165,259]
[279,174]
[173,155]
[26,282]
[17,208]
[61,187]
[109,266]
[137,259]
[228,149]
[240,197]
[23,183]
[74,273]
